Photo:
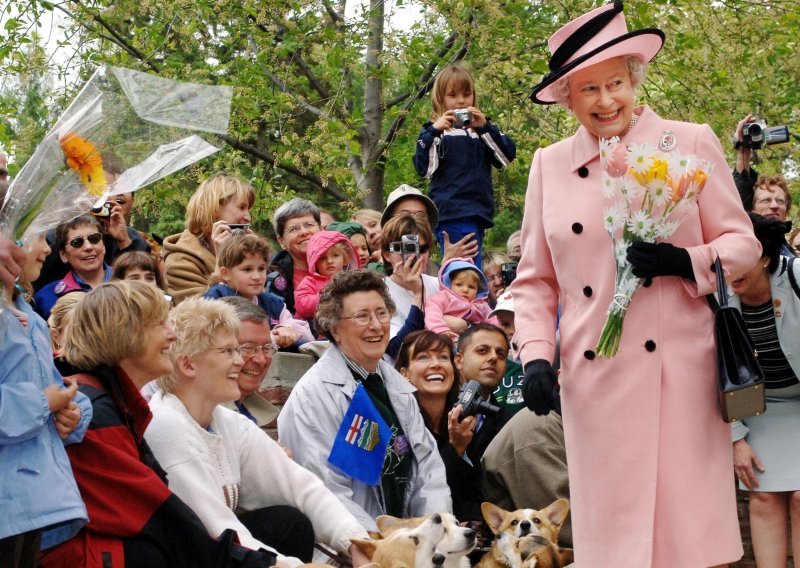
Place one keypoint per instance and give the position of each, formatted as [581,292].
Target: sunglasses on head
[93,239]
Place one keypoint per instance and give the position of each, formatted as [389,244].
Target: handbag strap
[722,289]
[792,279]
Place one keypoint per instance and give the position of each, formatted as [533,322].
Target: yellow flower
[83,157]
[657,171]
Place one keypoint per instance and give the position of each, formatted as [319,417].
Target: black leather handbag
[740,378]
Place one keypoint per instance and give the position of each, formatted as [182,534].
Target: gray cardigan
[309,421]
[787,320]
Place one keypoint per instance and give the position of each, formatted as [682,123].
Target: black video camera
[508,272]
[472,403]
[756,134]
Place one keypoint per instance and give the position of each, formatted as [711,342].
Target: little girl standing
[456,150]
[40,500]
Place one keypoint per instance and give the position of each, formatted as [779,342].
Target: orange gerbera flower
[83,157]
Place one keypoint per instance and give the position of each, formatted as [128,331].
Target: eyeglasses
[779,201]
[363,318]
[231,352]
[415,214]
[308,226]
[249,350]
[93,239]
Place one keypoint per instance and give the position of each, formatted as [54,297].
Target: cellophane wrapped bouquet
[124,130]
[646,195]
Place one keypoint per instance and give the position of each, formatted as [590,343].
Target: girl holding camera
[456,150]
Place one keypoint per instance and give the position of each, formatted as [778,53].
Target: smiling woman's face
[431,372]
[87,258]
[602,98]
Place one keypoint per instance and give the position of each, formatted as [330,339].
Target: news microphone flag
[360,444]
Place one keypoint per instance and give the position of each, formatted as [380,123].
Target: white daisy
[640,157]
[640,224]
[621,253]
[607,151]
[679,165]
[660,192]
[665,229]
[613,219]
[609,186]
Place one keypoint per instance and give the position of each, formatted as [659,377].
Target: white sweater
[237,466]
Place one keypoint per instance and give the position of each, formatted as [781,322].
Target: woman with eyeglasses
[219,462]
[406,280]
[398,468]
[215,209]
[80,245]
[295,223]
[117,341]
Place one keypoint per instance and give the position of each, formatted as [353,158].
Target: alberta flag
[360,445]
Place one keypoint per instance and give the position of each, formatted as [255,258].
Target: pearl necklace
[634,120]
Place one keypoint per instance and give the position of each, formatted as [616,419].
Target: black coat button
[577,228]
[647,282]
[587,291]
[650,345]
[589,354]
[583,171]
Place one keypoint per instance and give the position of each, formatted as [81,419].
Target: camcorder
[472,403]
[238,228]
[103,210]
[756,134]
[408,246]
[508,272]
[463,117]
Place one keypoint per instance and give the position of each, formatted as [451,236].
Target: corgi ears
[557,512]
[386,522]
[493,515]
[365,545]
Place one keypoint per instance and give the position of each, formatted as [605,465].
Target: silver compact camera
[463,118]
[238,228]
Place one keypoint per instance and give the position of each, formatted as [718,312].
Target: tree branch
[270,159]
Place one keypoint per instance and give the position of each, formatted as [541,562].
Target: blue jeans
[458,229]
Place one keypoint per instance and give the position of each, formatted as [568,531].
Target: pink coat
[650,461]
[445,302]
[306,295]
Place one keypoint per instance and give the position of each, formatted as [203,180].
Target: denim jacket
[37,488]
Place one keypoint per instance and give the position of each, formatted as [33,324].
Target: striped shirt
[760,322]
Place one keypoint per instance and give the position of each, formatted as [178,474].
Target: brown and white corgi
[526,538]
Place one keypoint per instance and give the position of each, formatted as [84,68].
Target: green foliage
[330,108]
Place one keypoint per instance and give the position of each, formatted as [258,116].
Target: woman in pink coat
[650,465]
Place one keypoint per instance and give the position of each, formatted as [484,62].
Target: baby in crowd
[328,252]
[461,299]
[242,268]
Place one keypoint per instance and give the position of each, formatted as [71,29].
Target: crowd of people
[132,432]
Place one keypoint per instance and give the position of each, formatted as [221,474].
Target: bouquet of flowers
[124,130]
[646,195]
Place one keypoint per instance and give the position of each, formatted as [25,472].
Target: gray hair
[296,207]
[636,68]
[331,303]
[246,310]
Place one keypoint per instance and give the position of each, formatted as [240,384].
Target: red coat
[650,461]
[306,295]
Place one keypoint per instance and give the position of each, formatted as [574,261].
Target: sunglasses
[93,239]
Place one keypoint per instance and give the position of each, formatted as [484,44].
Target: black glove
[539,389]
[660,259]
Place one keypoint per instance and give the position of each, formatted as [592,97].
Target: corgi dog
[526,537]
[423,542]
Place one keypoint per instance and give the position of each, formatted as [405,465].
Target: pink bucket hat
[591,38]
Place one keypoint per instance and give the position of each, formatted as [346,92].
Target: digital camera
[103,210]
[756,134]
[508,272]
[472,403]
[463,117]
[408,246]
[238,228]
